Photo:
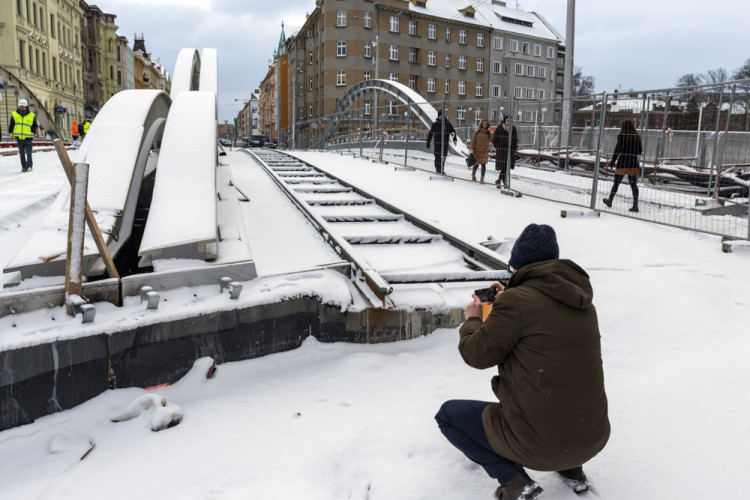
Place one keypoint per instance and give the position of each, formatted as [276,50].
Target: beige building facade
[40,46]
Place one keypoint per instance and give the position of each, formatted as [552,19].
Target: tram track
[365,231]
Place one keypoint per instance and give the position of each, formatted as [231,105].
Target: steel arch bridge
[419,110]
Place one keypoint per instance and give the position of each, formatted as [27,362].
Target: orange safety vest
[74,127]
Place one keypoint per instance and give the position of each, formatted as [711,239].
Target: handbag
[471,161]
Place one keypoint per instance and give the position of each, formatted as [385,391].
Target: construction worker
[86,127]
[74,130]
[23,126]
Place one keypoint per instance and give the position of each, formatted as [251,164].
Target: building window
[526,48]
[431,58]
[447,60]
[461,62]
[412,55]
[310,86]
[519,69]
[310,110]
[366,75]
[480,39]
[340,77]
[394,24]
[480,64]
[447,35]
[528,116]
[431,31]
[550,52]
[461,87]
[311,57]
[431,85]
[447,86]
[541,72]
[497,43]
[367,107]
[341,48]
[540,94]
[478,92]
[518,92]
[496,91]
[368,48]
[461,112]
[393,77]
[413,28]
[529,70]
[529,93]
[462,37]
[412,82]
[341,18]
[393,52]
[497,67]
[21,55]
[514,45]
[368,20]
[51,23]
[537,50]
[392,108]
[494,115]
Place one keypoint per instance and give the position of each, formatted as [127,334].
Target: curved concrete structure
[187,71]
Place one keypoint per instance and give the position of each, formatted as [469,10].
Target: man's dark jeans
[24,151]
[460,421]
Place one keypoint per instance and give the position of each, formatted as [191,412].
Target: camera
[486,294]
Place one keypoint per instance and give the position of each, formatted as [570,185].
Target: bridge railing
[694,169]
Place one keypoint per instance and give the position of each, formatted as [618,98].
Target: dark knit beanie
[537,243]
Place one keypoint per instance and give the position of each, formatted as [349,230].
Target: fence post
[406,132]
[716,143]
[724,142]
[595,185]
[442,138]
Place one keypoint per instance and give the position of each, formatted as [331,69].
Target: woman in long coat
[480,148]
[500,139]
[626,158]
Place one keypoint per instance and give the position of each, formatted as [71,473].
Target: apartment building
[466,54]
[39,46]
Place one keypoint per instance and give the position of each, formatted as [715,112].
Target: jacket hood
[561,279]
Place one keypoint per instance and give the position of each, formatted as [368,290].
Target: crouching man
[543,336]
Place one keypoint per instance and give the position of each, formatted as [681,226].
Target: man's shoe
[474,178]
[575,479]
[608,202]
[24,169]
[519,487]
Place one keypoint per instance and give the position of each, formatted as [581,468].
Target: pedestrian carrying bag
[471,161]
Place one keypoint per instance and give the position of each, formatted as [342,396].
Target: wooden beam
[101,245]
[76,234]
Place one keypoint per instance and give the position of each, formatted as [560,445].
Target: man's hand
[474,309]
[428,145]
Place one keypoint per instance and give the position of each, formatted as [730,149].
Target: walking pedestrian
[625,157]
[505,138]
[543,335]
[74,130]
[442,130]
[23,127]
[480,148]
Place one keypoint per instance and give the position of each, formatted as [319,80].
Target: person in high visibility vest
[86,127]
[23,127]
[74,130]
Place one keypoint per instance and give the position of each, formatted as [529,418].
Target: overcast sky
[639,44]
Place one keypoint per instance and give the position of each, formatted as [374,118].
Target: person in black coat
[625,157]
[505,135]
[442,136]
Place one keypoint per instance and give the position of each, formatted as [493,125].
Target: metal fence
[694,169]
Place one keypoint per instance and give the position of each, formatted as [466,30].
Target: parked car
[257,141]
[225,142]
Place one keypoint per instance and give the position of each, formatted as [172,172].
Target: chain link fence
[694,168]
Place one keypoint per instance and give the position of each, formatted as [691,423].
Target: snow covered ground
[343,421]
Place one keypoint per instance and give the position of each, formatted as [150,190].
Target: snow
[330,421]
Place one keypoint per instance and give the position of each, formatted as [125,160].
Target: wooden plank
[90,219]
[76,232]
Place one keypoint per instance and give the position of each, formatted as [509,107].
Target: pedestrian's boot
[608,201]
[474,178]
[481,180]
[634,208]
[519,487]
[575,479]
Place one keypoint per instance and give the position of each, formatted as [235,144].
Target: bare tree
[582,84]
[690,80]
[743,73]
[717,75]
